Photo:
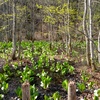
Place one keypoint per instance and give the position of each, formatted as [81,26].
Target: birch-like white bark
[90,35]
[86,33]
[99,47]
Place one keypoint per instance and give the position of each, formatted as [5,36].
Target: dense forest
[48,44]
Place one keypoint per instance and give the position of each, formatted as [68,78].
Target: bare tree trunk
[20,35]
[71,91]
[91,37]
[50,31]
[19,44]
[26,91]
[69,36]
[33,19]
[33,26]
[14,32]
[99,47]
[4,21]
[66,34]
[86,33]
[9,23]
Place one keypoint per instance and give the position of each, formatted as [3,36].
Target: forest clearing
[48,45]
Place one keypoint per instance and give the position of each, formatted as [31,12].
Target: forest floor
[14,82]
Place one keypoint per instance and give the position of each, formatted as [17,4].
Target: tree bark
[69,36]
[99,47]
[90,36]
[33,25]
[86,33]
[14,32]
[26,91]
[71,91]
[20,35]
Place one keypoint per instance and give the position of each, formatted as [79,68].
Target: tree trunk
[14,32]
[86,33]
[90,36]
[71,91]
[33,25]
[20,35]
[26,91]
[69,36]
[68,40]
[99,47]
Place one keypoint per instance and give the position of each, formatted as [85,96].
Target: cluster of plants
[44,69]
[4,77]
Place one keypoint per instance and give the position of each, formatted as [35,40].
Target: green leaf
[18,91]
[98,92]
[81,86]
[47,98]
[65,85]
[34,92]
[56,96]
[96,98]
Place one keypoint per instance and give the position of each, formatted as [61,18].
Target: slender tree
[33,25]
[99,47]
[14,31]
[86,33]
[69,35]
[91,35]
[20,33]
